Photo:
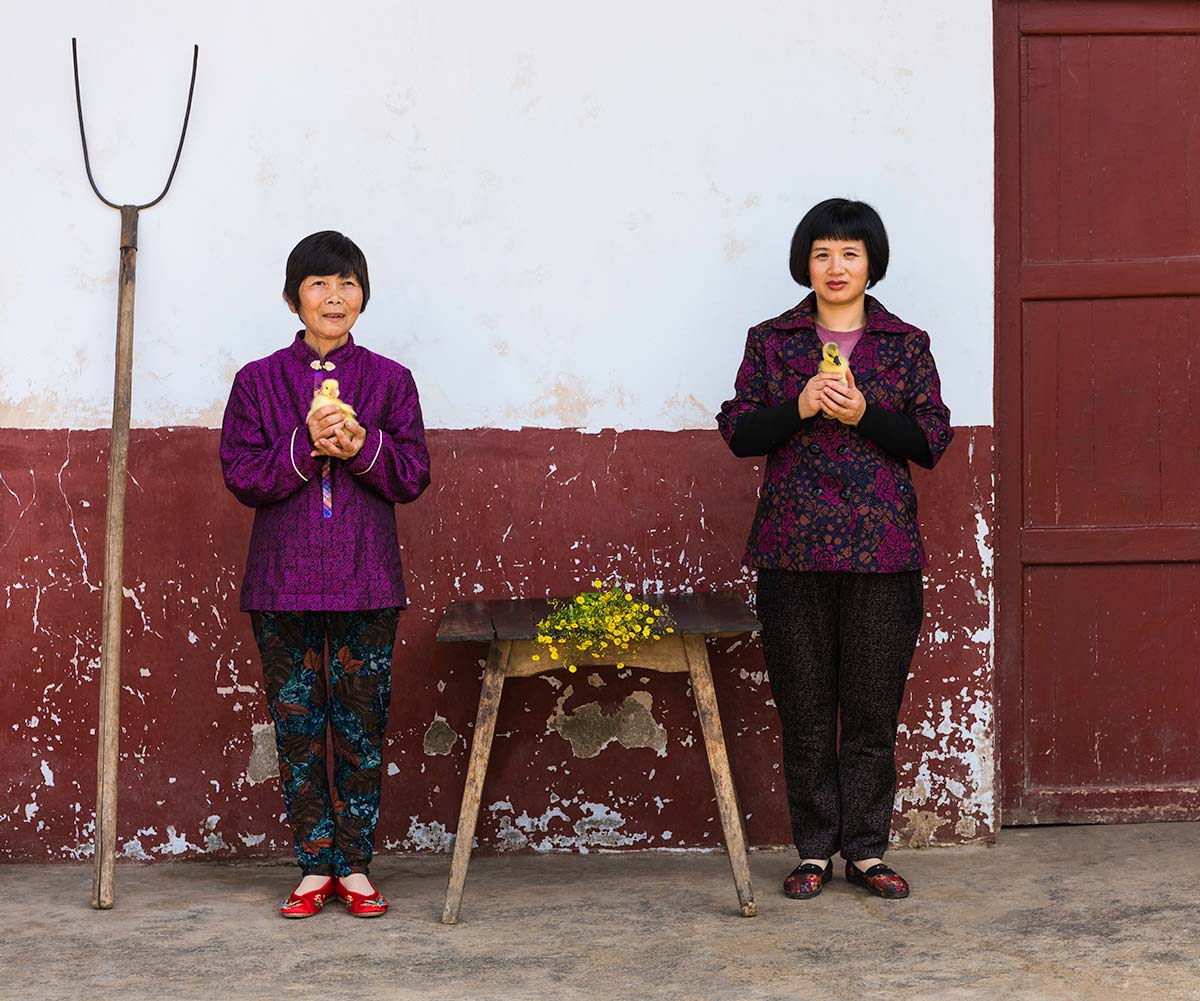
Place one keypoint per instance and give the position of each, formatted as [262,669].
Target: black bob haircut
[325,253]
[840,219]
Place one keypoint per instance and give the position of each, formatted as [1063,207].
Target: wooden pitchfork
[108,732]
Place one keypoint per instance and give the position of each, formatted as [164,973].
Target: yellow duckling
[832,362]
[327,396]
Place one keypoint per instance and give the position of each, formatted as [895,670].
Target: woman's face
[329,305]
[839,270]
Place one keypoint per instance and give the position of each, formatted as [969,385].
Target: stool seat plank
[709,613]
[467,621]
[517,620]
[704,613]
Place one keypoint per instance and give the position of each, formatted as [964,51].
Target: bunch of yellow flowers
[601,623]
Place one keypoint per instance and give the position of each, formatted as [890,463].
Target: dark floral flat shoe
[879,879]
[807,880]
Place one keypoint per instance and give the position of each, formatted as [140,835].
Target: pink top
[845,339]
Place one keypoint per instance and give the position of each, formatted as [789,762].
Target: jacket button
[843,449]
[845,495]
[814,449]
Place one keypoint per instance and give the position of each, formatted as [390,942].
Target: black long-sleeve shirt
[760,432]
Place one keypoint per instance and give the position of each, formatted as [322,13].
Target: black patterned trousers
[839,644]
[332,835]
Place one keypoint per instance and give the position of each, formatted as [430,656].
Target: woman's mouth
[836,286]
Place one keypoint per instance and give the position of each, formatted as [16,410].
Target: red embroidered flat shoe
[305,905]
[879,879]
[362,905]
[807,880]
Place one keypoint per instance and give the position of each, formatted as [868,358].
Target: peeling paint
[264,759]
[429,836]
[595,825]
[213,841]
[589,729]
[601,827]
[921,827]
[511,838]
[176,844]
[439,737]
[133,848]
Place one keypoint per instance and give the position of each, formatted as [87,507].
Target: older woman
[323,572]
[835,537]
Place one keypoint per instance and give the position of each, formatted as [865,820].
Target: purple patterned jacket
[831,498]
[300,559]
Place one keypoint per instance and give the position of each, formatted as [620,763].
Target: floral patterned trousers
[838,646]
[332,835]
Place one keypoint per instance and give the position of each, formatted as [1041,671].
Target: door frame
[1007,579]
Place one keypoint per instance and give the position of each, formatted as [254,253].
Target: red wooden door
[1098,409]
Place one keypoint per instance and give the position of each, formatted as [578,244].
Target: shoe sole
[802,896]
[875,893]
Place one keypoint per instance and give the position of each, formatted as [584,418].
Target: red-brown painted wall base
[591,760]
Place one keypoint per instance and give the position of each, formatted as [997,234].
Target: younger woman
[835,537]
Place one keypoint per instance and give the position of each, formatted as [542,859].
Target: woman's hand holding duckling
[812,396]
[333,435]
[845,403]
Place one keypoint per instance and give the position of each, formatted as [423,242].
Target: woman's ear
[290,305]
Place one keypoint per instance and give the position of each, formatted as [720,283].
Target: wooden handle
[108,731]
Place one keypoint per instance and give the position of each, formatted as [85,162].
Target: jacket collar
[307,355]
[881,346]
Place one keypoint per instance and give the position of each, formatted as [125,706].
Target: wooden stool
[510,629]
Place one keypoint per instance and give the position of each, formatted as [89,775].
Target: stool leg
[481,748]
[718,763]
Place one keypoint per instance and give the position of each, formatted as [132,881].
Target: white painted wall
[571,214]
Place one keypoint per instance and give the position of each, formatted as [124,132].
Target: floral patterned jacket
[831,498]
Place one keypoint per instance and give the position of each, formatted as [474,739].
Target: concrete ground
[1083,913]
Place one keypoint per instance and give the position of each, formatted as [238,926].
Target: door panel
[1116,706]
[1111,390]
[1110,146]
